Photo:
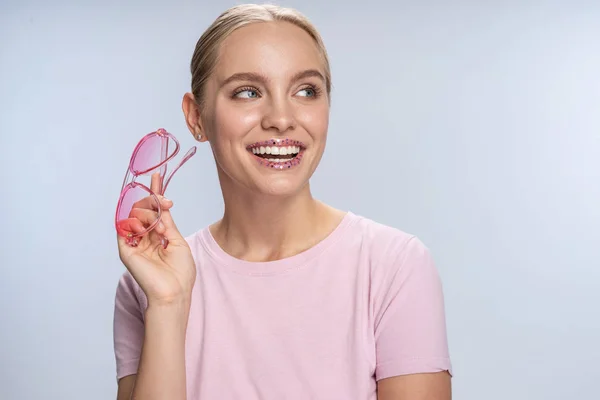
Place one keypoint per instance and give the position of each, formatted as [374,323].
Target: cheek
[316,122]
[232,121]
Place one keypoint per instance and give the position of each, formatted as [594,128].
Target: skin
[258,199]
[269,214]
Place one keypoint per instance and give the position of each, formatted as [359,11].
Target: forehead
[275,49]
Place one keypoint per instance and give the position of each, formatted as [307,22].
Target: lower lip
[284,165]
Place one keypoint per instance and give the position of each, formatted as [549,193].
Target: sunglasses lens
[154,150]
[137,211]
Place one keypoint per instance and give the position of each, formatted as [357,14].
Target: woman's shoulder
[388,249]
[395,260]
[382,237]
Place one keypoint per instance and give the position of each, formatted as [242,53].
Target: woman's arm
[433,386]
[161,373]
[126,387]
[152,304]
[413,361]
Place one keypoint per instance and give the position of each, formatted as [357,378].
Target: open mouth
[278,153]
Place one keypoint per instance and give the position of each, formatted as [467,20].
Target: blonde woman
[284,297]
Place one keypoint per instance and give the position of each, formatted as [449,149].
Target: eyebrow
[254,77]
[309,73]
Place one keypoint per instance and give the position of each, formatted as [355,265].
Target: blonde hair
[207,49]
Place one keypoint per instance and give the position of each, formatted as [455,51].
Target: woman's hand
[166,275]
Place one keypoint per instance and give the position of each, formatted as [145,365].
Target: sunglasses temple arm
[126,180]
[187,156]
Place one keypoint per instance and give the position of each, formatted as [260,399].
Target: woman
[284,297]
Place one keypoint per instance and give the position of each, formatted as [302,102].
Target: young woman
[284,297]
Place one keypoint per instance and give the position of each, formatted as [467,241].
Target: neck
[258,227]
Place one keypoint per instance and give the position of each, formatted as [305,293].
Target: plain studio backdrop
[474,125]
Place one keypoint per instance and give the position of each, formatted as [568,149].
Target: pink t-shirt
[364,304]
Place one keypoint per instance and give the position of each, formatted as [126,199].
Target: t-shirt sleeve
[128,326]
[410,326]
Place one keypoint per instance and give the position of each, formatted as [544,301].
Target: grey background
[473,124]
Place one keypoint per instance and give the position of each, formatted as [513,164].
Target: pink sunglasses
[150,155]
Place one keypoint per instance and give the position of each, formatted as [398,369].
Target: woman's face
[266,108]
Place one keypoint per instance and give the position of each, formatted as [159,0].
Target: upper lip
[277,142]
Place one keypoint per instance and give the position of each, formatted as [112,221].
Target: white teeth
[276,150]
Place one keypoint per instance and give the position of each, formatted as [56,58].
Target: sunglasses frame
[129,182]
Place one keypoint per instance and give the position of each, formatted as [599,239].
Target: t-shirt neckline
[268,268]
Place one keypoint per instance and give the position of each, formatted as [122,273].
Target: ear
[191,110]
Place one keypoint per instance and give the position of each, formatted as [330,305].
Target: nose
[279,116]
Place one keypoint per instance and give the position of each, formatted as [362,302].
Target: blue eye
[309,92]
[247,94]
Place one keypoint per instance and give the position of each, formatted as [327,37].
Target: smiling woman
[284,296]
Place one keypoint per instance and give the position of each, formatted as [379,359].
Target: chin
[281,186]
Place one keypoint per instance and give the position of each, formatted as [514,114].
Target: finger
[170,231]
[133,232]
[145,216]
[129,226]
[156,183]
[128,245]
[124,245]
[149,202]
[160,228]
[148,218]
[137,223]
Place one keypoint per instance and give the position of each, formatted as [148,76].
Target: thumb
[170,229]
